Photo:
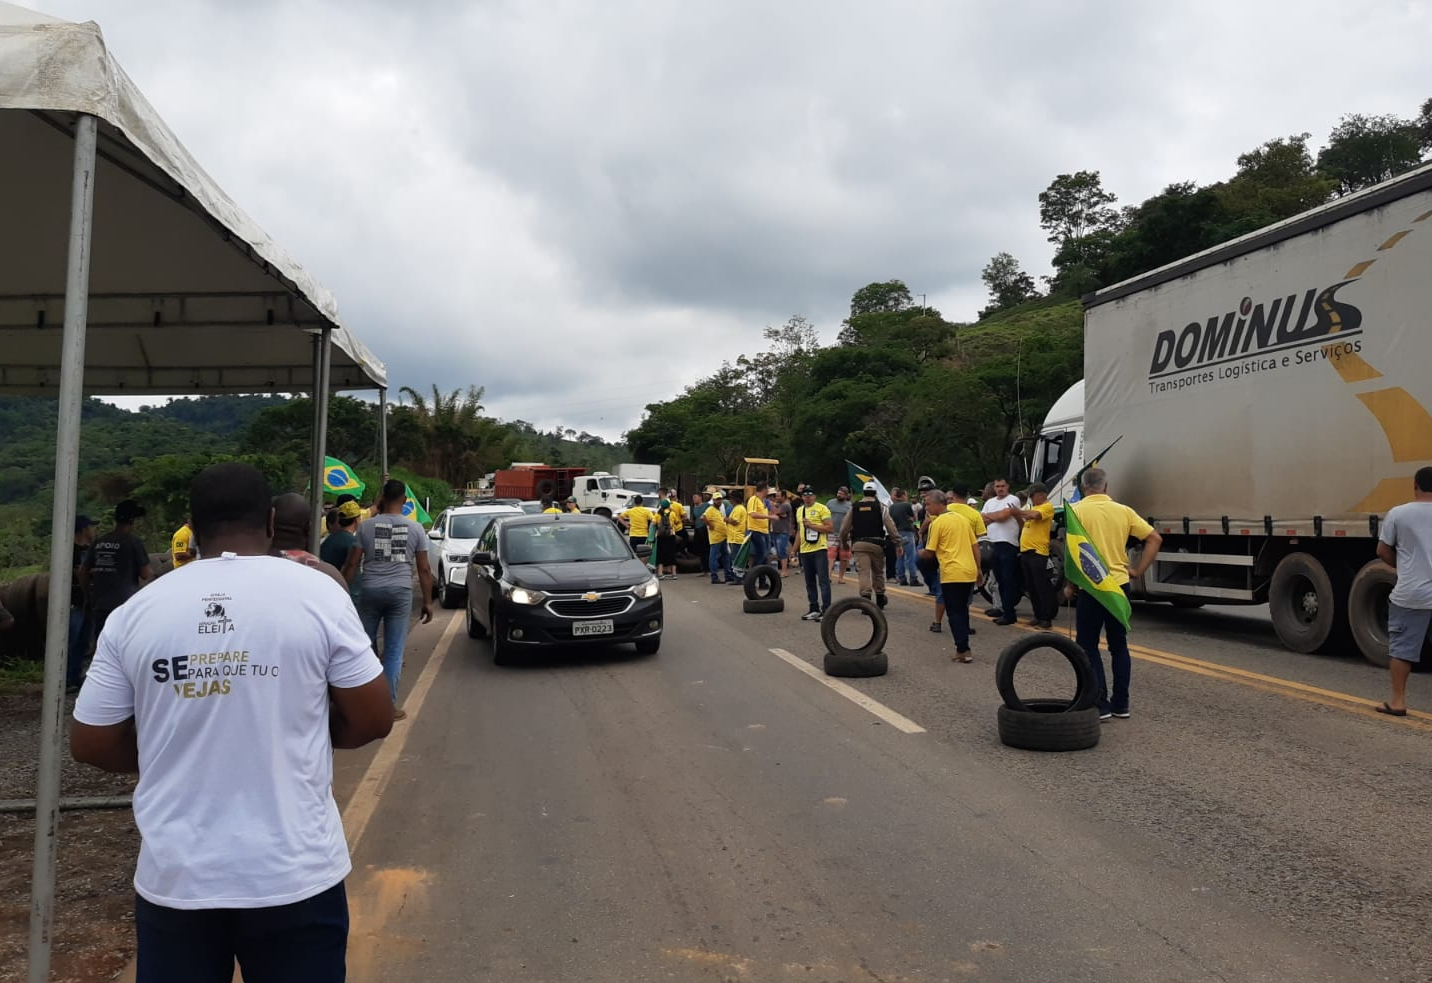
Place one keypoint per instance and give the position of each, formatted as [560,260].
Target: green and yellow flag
[1087,570]
[413,510]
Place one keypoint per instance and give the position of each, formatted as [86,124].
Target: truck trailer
[1267,402]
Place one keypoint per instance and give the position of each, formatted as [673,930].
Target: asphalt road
[712,813]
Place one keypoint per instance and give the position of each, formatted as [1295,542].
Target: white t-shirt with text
[1006,530]
[225,666]
[1408,530]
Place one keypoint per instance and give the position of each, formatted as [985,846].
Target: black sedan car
[538,581]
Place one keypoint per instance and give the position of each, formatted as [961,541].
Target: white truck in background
[641,479]
[1269,398]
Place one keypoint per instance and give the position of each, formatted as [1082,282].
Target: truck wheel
[880,628]
[602,511]
[546,488]
[765,576]
[1086,690]
[1367,610]
[1304,601]
[1048,726]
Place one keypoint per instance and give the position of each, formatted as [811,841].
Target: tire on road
[503,653]
[759,575]
[763,605]
[448,595]
[475,628]
[1086,687]
[687,563]
[1367,602]
[843,607]
[856,667]
[1306,599]
[1048,726]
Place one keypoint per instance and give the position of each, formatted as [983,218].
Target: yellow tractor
[751,470]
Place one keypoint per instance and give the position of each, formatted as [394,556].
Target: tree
[1424,124]
[1276,180]
[1008,284]
[880,298]
[1365,150]
[1074,205]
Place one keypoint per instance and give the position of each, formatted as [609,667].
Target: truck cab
[1055,454]
[601,493]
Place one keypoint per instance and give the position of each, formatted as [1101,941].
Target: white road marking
[365,797]
[901,723]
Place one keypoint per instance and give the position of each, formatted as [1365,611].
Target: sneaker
[935,627]
[811,616]
[1044,625]
[400,715]
[1122,714]
[1105,715]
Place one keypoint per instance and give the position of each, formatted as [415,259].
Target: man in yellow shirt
[812,526]
[572,505]
[758,523]
[549,507]
[736,536]
[950,541]
[637,521]
[1034,555]
[1109,525]
[719,558]
[181,546]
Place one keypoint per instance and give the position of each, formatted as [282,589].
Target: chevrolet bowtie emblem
[591,596]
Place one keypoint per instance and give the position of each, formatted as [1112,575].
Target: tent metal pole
[383,432]
[62,535]
[323,358]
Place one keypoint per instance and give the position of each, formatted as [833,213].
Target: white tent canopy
[187,294]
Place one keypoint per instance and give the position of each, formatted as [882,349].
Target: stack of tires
[859,661]
[762,585]
[1048,724]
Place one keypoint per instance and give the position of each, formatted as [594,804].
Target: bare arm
[979,570]
[845,528]
[1149,554]
[425,583]
[1387,554]
[360,714]
[350,565]
[114,747]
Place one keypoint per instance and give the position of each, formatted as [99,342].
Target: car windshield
[468,526]
[557,542]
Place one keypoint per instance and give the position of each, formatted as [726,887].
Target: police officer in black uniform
[866,530]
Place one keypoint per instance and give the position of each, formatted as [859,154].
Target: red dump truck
[529,481]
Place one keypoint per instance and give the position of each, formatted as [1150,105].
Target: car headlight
[458,559]
[648,589]
[521,595]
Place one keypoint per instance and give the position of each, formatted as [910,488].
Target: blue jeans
[1006,574]
[816,568]
[78,648]
[905,566]
[760,550]
[783,545]
[1091,617]
[719,561]
[390,607]
[303,942]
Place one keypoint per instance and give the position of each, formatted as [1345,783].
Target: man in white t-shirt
[1406,543]
[1001,515]
[214,684]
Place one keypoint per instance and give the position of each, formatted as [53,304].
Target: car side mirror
[436,535]
[483,558]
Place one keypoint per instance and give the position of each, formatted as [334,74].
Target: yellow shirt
[970,515]
[678,517]
[736,526]
[952,541]
[1035,535]
[715,524]
[179,546]
[552,511]
[757,518]
[641,519]
[816,512]
[1109,525]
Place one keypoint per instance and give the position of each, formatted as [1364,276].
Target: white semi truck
[1269,398]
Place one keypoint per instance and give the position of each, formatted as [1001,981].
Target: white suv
[453,535]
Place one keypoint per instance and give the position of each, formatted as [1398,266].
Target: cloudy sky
[585,206]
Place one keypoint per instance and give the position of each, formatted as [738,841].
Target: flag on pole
[1077,492]
[339,478]
[1086,569]
[859,476]
[413,510]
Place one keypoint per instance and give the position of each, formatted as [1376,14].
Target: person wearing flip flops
[951,541]
[1406,544]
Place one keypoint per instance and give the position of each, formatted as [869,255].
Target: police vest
[867,520]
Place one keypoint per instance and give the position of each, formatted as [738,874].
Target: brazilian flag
[339,478]
[413,510]
[1087,570]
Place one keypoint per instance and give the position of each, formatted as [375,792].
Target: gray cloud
[583,207]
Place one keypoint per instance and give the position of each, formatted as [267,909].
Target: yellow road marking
[1253,680]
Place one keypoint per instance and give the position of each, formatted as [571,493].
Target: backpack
[663,526]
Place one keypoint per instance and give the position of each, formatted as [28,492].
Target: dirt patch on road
[94,892]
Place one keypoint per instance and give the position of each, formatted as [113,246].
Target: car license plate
[580,628]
